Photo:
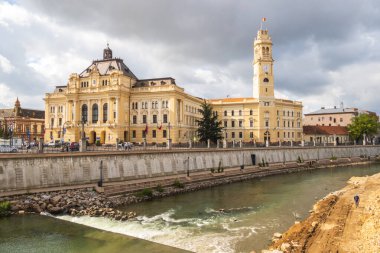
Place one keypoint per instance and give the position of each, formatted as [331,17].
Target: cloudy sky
[326,52]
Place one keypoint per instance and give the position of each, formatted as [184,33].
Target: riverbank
[87,201]
[336,225]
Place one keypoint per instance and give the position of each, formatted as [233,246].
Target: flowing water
[42,234]
[239,217]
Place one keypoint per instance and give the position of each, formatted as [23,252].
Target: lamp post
[83,144]
[169,141]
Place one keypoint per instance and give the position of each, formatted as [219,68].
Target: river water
[238,217]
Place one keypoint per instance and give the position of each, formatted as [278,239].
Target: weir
[25,173]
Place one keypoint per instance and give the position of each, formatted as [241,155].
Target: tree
[363,124]
[209,127]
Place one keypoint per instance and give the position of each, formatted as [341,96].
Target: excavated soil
[336,224]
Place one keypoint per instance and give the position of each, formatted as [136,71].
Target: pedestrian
[356,199]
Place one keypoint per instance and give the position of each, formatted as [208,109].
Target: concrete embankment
[336,224]
[32,173]
[102,202]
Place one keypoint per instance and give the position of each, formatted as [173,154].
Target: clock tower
[263,83]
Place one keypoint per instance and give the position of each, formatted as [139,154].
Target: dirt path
[336,225]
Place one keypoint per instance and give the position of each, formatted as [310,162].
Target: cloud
[5,65]
[206,46]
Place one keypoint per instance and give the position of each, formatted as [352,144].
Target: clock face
[266,68]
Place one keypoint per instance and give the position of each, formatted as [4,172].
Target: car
[74,146]
[50,144]
[125,145]
[8,149]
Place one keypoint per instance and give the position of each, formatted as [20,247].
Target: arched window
[84,113]
[105,112]
[267,50]
[225,113]
[266,80]
[95,113]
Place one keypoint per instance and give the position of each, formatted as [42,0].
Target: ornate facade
[27,124]
[111,104]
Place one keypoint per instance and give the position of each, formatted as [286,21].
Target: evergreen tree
[209,127]
[363,124]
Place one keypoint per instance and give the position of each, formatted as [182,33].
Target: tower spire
[107,53]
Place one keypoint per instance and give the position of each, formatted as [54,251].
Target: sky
[325,52]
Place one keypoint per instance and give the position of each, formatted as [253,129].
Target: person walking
[356,199]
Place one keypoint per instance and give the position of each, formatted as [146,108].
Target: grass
[5,208]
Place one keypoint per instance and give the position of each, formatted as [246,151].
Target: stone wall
[22,172]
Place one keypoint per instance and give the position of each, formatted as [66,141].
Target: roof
[232,100]
[105,67]
[29,113]
[154,82]
[325,130]
[333,111]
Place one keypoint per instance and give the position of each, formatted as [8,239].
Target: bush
[178,184]
[333,158]
[212,170]
[97,143]
[159,188]
[5,208]
[147,192]
[299,159]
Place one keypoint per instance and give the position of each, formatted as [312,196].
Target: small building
[336,116]
[18,122]
[326,134]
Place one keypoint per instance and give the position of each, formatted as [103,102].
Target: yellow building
[113,104]
[261,117]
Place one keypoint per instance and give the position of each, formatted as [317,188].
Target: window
[232,123]
[232,113]
[266,103]
[251,112]
[105,113]
[225,113]
[165,118]
[51,123]
[267,123]
[154,133]
[142,105]
[251,123]
[134,119]
[164,134]
[334,120]
[95,113]
[233,135]
[240,113]
[143,133]
[341,119]
[330,118]
[284,135]
[251,135]
[154,118]
[225,123]
[84,113]
[240,123]
[144,119]
[60,122]
[240,135]
[284,123]
[266,80]
[136,105]
[133,133]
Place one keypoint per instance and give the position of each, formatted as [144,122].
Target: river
[238,217]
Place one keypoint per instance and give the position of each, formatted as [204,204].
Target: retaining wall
[22,172]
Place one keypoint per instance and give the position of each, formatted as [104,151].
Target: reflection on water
[239,217]
[40,234]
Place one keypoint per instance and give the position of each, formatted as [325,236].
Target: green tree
[363,124]
[209,127]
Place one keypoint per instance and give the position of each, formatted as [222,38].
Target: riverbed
[239,217]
